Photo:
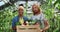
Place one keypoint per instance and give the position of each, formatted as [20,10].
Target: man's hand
[42,30]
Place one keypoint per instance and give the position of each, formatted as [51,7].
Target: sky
[2,3]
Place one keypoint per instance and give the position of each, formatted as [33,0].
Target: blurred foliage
[7,14]
[53,17]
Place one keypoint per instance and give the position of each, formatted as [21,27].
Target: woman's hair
[20,4]
[37,5]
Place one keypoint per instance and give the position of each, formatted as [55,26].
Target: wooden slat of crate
[31,28]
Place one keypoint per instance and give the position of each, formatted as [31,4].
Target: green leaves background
[7,14]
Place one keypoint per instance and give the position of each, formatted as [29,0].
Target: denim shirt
[16,19]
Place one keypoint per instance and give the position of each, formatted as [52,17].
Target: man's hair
[37,5]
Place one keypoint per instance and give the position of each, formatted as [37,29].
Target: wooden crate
[30,28]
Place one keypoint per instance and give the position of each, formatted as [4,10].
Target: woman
[20,18]
[37,14]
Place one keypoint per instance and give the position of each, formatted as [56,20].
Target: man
[38,15]
[19,19]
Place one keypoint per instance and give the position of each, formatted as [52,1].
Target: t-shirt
[39,17]
[21,20]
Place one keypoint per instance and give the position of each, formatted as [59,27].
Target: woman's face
[21,10]
[35,9]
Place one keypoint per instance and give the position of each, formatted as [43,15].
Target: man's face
[21,10]
[35,9]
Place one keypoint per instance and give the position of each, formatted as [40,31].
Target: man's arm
[46,24]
